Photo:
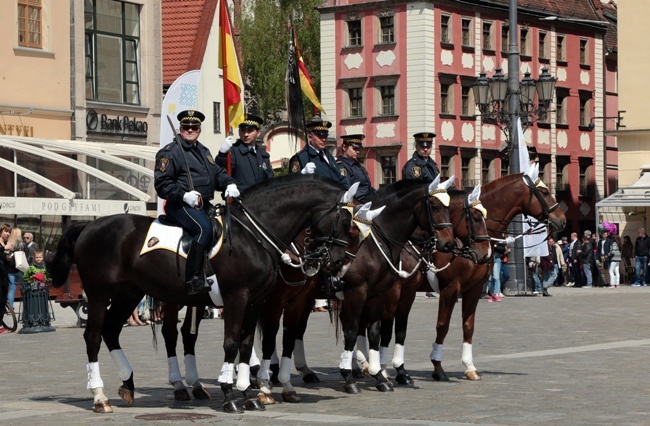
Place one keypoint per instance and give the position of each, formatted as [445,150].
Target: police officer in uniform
[250,164]
[421,166]
[314,157]
[188,196]
[351,168]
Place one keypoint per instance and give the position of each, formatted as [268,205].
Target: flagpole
[224,10]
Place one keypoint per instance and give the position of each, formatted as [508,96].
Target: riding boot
[194,276]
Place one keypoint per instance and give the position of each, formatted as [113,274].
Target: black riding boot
[194,275]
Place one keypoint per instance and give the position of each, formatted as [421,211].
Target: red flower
[40,277]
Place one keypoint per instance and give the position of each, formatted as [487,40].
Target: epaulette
[169,146]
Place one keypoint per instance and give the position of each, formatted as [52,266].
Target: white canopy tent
[629,206]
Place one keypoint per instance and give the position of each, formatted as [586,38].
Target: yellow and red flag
[306,83]
[233,85]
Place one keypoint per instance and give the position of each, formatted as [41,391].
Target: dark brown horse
[107,254]
[504,199]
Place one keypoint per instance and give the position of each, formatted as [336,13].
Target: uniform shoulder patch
[295,167]
[417,171]
[210,159]
[343,171]
[162,165]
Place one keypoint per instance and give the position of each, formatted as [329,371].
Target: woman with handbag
[5,231]
[17,260]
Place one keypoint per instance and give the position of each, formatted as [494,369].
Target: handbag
[21,261]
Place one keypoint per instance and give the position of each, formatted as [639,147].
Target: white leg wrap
[215,292]
[254,359]
[398,355]
[98,394]
[299,359]
[191,373]
[94,378]
[468,360]
[436,353]
[346,360]
[284,375]
[433,281]
[227,372]
[362,348]
[383,355]
[243,376]
[373,362]
[124,369]
[173,370]
[274,358]
[265,368]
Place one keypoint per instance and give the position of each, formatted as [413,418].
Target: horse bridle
[546,210]
[466,251]
[431,245]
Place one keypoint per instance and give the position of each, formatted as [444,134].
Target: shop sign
[64,207]
[16,130]
[119,125]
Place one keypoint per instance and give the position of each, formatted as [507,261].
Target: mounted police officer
[250,164]
[421,166]
[187,176]
[351,168]
[314,158]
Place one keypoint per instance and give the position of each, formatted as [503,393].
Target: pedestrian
[421,166]
[586,257]
[566,271]
[14,244]
[533,273]
[494,282]
[549,272]
[641,253]
[576,268]
[351,168]
[314,158]
[5,231]
[36,274]
[30,246]
[558,261]
[186,176]
[249,163]
[614,262]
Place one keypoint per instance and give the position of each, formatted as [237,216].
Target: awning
[634,195]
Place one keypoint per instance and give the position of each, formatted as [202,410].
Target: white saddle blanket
[164,237]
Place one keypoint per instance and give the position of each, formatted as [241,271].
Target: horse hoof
[310,378]
[181,395]
[102,407]
[439,376]
[265,399]
[290,396]
[253,404]
[473,375]
[357,374]
[126,395]
[201,393]
[351,388]
[232,407]
[404,379]
[384,387]
[366,373]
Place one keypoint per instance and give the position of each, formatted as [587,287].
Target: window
[387,25]
[584,51]
[505,167]
[446,165]
[388,169]
[505,30]
[354,33]
[524,48]
[467,173]
[561,48]
[488,42]
[585,177]
[216,116]
[466,32]
[561,106]
[467,99]
[486,176]
[445,29]
[355,96]
[112,51]
[562,174]
[543,50]
[30,23]
[387,95]
[446,98]
[585,108]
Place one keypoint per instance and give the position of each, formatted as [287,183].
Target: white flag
[524,158]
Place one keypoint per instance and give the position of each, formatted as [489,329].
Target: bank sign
[118,125]
[63,207]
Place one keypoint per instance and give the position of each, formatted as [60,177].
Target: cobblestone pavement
[576,358]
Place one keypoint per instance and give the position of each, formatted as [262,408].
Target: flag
[306,84]
[232,82]
[524,158]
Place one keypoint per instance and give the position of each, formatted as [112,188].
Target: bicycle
[9,320]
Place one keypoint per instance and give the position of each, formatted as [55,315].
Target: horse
[504,199]
[296,301]
[107,254]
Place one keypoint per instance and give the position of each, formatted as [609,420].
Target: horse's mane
[288,181]
[395,189]
[454,192]
[502,181]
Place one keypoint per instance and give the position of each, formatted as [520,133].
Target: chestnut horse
[107,254]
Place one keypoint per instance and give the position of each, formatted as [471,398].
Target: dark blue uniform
[420,168]
[324,168]
[355,172]
[248,166]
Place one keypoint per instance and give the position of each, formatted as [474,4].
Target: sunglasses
[187,127]
[322,135]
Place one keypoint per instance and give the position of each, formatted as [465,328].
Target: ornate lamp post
[501,100]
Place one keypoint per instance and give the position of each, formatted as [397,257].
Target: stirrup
[197,285]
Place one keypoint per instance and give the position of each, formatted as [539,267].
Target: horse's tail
[59,267]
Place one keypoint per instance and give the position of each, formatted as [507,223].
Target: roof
[185,30]
[634,195]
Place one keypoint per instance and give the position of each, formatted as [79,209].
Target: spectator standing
[505,270]
[494,282]
[558,261]
[614,262]
[535,284]
[627,251]
[602,255]
[586,258]
[574,262]
[31,276]
[30,246]
[549,273]
[14,244]
[566,272]
[5,231]
[641,252]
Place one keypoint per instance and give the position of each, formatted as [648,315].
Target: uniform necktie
[323,156]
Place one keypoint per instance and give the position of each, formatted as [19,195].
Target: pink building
[390,69]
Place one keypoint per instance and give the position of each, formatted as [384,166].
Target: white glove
[231,191]
[192,198]
[309,169]
[227,144]
[510,240]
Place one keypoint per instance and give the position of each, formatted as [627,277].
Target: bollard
[36,309]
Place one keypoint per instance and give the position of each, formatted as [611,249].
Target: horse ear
[448,183]
[350,193]
[476,194]
[434,185]
[534,172]
[362,211]
[374,213]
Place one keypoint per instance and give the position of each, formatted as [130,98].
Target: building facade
[390,69]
